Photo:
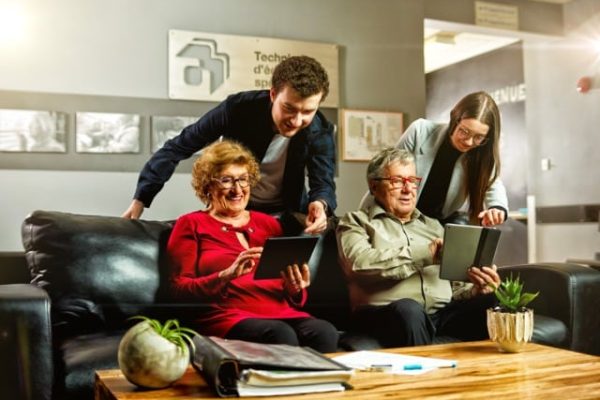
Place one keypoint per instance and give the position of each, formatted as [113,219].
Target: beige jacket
[385,259]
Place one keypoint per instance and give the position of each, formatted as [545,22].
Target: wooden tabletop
[482,372]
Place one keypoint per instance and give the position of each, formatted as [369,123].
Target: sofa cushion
[82,356]
[549,331]
[97,270]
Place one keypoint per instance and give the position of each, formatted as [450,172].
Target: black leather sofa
[89,274]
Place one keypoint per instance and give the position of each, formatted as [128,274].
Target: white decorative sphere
[149,360]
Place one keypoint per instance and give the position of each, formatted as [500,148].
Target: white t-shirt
[268,190]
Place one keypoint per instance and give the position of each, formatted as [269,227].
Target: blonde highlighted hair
[214,159]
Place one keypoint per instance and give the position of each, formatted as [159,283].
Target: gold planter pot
[511,331]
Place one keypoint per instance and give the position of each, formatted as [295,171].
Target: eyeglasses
[227,182]
[397,182]
[466,134]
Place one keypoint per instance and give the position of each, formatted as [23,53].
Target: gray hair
[386,157]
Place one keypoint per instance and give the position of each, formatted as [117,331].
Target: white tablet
[466,246]
[279,252]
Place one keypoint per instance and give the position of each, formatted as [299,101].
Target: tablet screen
[466,246]
[279,252]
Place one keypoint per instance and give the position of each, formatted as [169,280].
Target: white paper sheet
[393,362]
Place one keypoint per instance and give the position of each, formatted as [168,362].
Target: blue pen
[409,367]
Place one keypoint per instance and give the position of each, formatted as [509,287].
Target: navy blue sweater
[246,118]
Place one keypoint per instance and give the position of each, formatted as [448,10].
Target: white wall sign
[208,66]
[496,15]
[509,94]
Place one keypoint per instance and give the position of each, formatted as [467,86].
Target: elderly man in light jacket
[390,253]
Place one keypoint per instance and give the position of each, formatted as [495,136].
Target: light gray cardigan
[423,138]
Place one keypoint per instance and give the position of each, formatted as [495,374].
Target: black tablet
[466,246]
[279,252]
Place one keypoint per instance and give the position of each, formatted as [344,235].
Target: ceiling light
[12,22]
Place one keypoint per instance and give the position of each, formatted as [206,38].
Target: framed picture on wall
[107,133]
[365,132]
[166,127]
[33,131]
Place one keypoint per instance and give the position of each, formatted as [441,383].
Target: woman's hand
[485,279]
[243,264]
[491,217]
[295,279]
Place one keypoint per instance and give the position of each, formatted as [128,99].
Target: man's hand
[436,249]
[485,279]
[135,210]
[491,217]
[295,279]
[316,220]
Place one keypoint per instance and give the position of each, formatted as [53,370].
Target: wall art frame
[167,127]
[33,131]
[98,132]
[366,132]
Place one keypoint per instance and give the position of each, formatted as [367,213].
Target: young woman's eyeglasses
[397,182]
[466,134]
[227,182]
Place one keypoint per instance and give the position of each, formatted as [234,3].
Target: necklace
[234,222]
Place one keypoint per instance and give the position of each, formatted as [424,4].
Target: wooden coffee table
[482,372]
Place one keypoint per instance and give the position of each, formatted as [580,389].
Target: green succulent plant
[510,294]
[171,331]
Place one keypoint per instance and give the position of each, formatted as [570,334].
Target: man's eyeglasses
[466,134]
[397,182]
[227,182]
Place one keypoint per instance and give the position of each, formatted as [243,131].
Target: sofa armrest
[569,293]
[26,363]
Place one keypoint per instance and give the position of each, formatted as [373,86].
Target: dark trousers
[404,322]
[316,333]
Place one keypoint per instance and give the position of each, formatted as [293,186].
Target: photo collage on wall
[27,131]
[365,133]
[107,133]
[165,128]
[33,131]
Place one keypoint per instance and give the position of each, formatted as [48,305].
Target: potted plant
[510,324]
[154,355]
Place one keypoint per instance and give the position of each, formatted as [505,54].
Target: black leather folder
[222,363]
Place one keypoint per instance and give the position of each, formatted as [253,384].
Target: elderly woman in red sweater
[213,254]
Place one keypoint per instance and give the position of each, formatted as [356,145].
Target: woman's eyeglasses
[398,182]
[466,134]
[227,182]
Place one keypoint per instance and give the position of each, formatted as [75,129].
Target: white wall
[119,48]
[562,125]
[559,242]
[100,193]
